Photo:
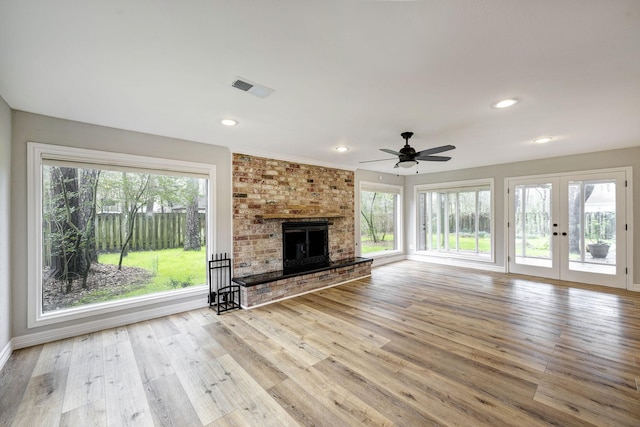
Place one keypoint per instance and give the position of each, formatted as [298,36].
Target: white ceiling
[348,72]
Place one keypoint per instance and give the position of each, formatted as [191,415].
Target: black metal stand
[222,293]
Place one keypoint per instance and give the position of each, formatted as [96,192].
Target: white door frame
[628,214]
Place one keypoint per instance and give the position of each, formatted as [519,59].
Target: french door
[569,227]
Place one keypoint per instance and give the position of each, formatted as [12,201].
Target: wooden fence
[151,232]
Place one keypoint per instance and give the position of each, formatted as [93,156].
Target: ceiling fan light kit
[406,164]
[408,157]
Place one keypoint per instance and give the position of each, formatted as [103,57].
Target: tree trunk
[192,232]
[88,190]
[72,223]
[576,211]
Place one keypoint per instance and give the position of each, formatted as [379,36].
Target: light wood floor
[414,345]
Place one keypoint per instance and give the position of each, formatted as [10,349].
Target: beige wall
[5,227]
[36,128]
[580,162]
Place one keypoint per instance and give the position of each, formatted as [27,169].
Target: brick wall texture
[267,186]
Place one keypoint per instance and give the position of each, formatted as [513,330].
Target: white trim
[630,235]
[457,262]
[303,293]
[471,184]
[635,287]
[505,225]
[5,354]
[99,325]
[38,151]
[382,260]
[118,305]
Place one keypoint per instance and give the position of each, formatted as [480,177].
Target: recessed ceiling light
[542,139]
[228,122]
[342,148]
[505,103]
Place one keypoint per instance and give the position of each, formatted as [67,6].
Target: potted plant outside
[600,248]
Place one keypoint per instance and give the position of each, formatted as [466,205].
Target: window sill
[91,310]
[457,255]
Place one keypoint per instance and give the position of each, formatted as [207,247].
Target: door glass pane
[532,224]
[592,226]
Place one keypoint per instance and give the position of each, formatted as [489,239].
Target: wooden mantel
[284,215]
[298,212]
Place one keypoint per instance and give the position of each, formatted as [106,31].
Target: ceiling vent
[252,88]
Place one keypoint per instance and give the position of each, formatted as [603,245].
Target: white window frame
[36,152]
[398,231]
[457,186]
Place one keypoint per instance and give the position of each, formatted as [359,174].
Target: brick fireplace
[268,192]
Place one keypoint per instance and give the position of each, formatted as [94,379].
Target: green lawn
[467,243]
[172,269]
[369,246]
[535,247]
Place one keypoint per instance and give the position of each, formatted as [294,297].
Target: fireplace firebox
[305,245]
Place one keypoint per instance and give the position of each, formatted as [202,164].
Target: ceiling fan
[408,156]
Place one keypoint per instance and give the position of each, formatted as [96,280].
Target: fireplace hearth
[305,245]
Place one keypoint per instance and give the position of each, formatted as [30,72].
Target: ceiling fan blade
[386,150]
[379,160]
[435,150]
[433,158]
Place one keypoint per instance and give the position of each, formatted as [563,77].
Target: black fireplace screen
[305,245]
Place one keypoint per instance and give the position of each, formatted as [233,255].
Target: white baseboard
[459,263]
[303,293]
[99,325]
[5,354]
[635,287]
[382,260]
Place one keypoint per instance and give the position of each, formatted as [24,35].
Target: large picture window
[109,230]
[380,227]
[456,219]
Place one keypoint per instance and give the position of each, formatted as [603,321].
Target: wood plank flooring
[414,345]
